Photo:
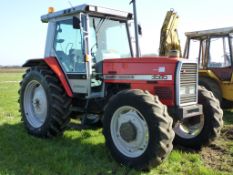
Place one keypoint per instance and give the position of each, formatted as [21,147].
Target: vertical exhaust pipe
[136,27]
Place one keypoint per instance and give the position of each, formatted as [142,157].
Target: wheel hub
[128,131]
[39,101]
[35,104]
[189,128]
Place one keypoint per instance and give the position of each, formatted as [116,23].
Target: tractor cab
[81,38]
[213,50]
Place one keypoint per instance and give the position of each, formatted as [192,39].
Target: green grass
[84,152]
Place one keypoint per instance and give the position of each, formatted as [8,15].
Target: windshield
[108,39]
[196,50]
[219,52]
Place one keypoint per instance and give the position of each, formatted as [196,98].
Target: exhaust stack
[136,27]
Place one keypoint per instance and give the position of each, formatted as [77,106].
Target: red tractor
[143,102]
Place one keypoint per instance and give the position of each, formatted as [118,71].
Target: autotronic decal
[138,77]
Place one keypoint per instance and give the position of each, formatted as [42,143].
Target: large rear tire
[137,129]
[44,104]
[201,130]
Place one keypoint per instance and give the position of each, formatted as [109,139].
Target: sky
[23,35]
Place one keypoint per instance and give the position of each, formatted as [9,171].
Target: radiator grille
[188,78]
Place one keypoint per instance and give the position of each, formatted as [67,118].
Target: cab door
[70,49]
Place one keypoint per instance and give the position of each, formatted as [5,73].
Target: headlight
[187,90]
[182,90]
[192,89]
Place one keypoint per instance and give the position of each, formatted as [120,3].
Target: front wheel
[201,130]
[137,129]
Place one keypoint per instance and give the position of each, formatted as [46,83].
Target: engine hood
[141,66]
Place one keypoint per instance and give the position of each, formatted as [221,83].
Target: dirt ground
[219,154]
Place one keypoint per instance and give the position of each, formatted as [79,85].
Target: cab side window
[68,47]
[219,53]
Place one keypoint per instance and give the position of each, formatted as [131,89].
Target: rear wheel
[137,129]
[201,130]
[44,104]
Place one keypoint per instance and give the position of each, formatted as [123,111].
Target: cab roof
[90,9]
[207,33]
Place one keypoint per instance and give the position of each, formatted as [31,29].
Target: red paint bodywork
[55,66]
[144,66]
[131,66]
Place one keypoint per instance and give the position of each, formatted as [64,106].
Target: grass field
[82,152]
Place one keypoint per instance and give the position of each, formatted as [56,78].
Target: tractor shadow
[185,149]
[73,153]
[74,126]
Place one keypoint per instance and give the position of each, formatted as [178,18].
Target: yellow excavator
[169,39]
[213,49]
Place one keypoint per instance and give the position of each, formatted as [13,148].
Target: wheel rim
[35,104]
[189,128]
[129,131]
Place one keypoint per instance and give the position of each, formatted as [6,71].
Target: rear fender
[55,67]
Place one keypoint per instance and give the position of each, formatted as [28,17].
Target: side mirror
[76,22]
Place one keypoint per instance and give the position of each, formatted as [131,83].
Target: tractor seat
[77,59]
[76,55]
[61,55]
[64,60]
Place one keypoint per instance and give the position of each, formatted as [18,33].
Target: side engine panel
[151,74]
